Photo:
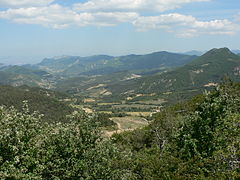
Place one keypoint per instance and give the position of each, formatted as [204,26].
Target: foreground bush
[197,142]
[200,142]
[74,150]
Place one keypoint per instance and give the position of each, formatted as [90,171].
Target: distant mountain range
[204,72]
[102,64]
[108,77]
[199,53]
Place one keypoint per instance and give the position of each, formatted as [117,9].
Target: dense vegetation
[128,79]
[45,101]
[102,64]
[174,84]
[193,140]
[204,71]
[24,75]
[30,149]
[51,137]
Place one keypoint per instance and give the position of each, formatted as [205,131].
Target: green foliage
[104,120]
[197,137]
[181,83]
[136,140]
[102,64]
[45,101]
[30,149]
[20,75]
[209,67]
[195,140]
[20,133]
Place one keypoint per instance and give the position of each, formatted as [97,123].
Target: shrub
[74,150]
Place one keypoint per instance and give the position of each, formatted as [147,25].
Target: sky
[31,30]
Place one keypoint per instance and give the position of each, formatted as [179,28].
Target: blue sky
[31,30]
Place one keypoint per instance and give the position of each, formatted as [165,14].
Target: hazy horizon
[21,60]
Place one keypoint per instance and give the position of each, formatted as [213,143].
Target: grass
[129,122]
[104,104]
[144,114]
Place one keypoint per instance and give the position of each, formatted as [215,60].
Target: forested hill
[44,101]
[198,139]
[205,71]
[107,78]
[21,75]
[102,64]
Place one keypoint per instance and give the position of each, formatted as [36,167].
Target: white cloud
[185,26]
[132,5]
[114,12]
[56,16]
[23,3]
[110,18]
[237,18]
[53,16]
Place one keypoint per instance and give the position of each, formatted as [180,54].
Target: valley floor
[128,123]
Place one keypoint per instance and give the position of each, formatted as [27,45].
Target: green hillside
[154,60]
[102,64]
[5,77]
[134,78]
[131,132]
[22,70]
[89,84]
[205,71]
[198,139]
[209,68]
[19,75]
[72,65]
[45,101]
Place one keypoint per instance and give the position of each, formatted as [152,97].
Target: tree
[210,135]
[75,150]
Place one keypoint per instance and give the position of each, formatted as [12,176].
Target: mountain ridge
[108,77]
[74,65]
[210,67]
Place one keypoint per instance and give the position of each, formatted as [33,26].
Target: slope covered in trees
[102,64]
[30,149]
[45,101]
[198,139]
[205,72]
[21,75]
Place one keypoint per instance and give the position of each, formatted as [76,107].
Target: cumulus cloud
[131,5]
[56,16]
[114,12]
[185,26]
[52,16]
[23,3]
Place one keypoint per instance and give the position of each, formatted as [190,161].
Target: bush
[30,149]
